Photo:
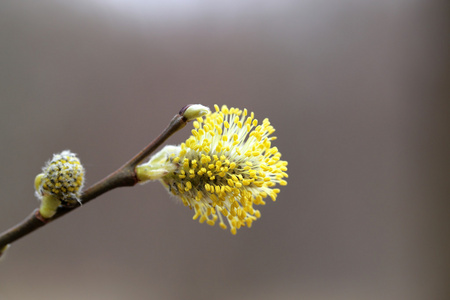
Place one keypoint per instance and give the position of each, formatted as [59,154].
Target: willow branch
[124,176]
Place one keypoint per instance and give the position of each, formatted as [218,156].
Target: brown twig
[124,176]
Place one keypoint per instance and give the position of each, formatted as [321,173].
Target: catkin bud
[194,111]
[60,183]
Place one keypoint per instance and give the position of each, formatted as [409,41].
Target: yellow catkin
[226,167]
[62,177]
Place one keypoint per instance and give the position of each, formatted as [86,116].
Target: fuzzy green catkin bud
[195,111]
[157,167]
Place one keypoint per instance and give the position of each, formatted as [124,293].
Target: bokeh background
[357,90]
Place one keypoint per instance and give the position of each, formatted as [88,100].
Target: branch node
[38,216]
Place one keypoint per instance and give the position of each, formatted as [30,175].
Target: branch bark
[124,176]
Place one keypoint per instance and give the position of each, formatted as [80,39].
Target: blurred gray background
[357,90]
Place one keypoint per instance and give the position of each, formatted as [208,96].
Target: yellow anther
[224,109]
[196,124]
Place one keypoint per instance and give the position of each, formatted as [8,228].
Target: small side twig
[124,176]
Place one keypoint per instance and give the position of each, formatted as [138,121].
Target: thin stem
[124,176]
